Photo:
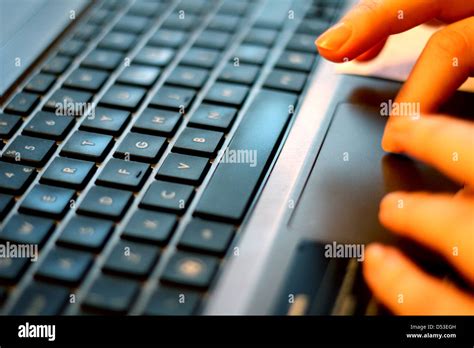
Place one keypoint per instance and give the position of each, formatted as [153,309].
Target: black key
[213,39]
[103,59]
[173,97]
[72,47]
[68,172]
[22,103]
[65,265]
[213,117]
[156,56]
[233,7]
[302,42]
[113,5]
[178,21]
[6,203]
[124,174]
[47,201]
[188,77]
[326,10]
[248,53]
[170,301]
[88,79]
[118,41]
[201,57]
[159,122]
[141,147]
[142,8]
[167,196]
[296,60]
[87,31]
[262,36]
[286,80]
[99,16]
[190,269]
[15,178]
[68,102]
[199,141]
[126,97]
[169,38]
[8,125]
[193,6]
[111,294]
[303,279]
[49,125]
[57,65]
[40,83]
[183,168]
[29,150]
[87,146]
[27,229]
[273,14]
[11,268]
[132,24]
[106,202]
[150,227]
[242,73]
[131,259]
[232,186]
[223,22]
[313,26]
[86,233]
[139,75]
[207,236]
[41,299]
[106,120]
[226,93]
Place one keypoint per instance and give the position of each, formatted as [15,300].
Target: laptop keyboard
[118,156]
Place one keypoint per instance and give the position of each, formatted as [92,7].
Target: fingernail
[335,38]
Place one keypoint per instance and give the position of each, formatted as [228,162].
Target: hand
[444,223]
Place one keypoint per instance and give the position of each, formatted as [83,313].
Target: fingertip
[388,206]
[373,254]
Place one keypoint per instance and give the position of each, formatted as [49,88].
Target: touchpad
[351,174]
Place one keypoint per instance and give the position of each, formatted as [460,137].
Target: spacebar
[236,179]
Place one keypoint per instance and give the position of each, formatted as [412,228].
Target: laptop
[190,157]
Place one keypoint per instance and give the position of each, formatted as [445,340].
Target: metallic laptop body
[323,187]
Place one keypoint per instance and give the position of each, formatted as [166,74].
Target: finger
[406,290]
[442,222]
[465,192]
[445,63]
[443,142]
[372,53]
[372,21]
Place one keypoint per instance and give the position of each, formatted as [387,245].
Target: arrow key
[183,168]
